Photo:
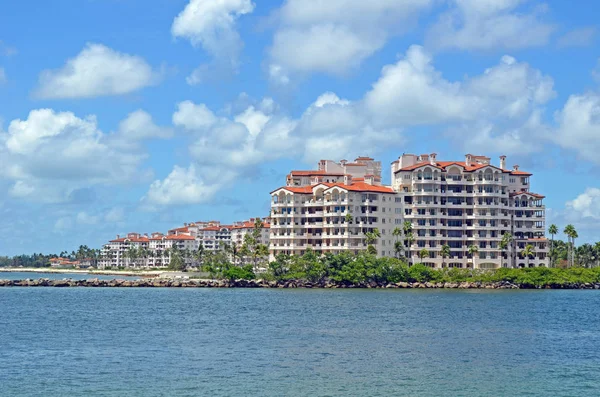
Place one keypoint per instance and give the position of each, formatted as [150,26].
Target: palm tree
[570,232]
[597,252]
[408,236]
[423,253]
[398,247]
[199,254]
[553,230]
[371,238]
[574,235]
[348,218]
[397,233]
[473,249]
[131,254]
[506,242]
[445,253]
[527,252]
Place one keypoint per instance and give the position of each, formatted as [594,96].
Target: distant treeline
[43,260]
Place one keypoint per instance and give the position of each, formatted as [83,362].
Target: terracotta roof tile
[180,237]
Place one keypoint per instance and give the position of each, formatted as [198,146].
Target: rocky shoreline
[197,283]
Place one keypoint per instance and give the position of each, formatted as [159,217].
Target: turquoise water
[209,342]
[60,276]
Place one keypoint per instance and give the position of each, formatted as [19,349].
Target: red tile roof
[518,172]
[180,237]
[132,240]
[527,193]
[356,186]
[211,229]
[445,164]
[365,187]
[249,225]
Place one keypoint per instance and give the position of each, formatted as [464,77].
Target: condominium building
[154,251]
[240,229]
[470,203]
[456,203]
[333,208]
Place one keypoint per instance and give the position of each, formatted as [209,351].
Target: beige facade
[455,203]
[470,202]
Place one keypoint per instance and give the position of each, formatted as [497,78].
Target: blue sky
[128,115]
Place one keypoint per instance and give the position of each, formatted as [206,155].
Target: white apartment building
[458,203]
[332,217]
[240,229]
[114,254]
[329,171]
[470,202]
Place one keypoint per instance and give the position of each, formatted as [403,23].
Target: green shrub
[239,273]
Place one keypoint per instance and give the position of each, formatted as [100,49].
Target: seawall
[197,283]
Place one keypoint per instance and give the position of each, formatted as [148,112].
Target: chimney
[516,167]
[432,157]
[468,160]
[502,162]
[118,236]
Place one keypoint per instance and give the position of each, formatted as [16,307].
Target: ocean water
[60,276]
[226,342]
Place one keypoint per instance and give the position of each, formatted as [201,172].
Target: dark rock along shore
[185,283]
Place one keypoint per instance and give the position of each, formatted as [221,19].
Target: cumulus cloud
[587,204]
[335,36]
[181,186]
[97,71]
[501,108]
[136,128]
[490,24]
[193,117]
[51,156]
[578,126]
[212,26]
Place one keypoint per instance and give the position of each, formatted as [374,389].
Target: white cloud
[578,126]
[21,189]
[413,92]
[587,204]
[335,36]
[96,71]
[49,155]
[489,24]
[581,37]
[2,76]
[181,186]
[139,125]
[193,117]
[211,25]
[500,108]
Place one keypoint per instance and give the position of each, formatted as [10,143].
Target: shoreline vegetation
[343,270]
